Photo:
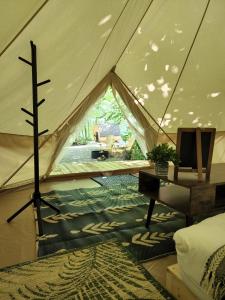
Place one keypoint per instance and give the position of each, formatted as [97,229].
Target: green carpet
[115,179]
[94,215]
[104,271]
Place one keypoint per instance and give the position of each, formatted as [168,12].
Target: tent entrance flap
[114,106]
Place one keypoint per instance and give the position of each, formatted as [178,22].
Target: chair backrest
[195,148]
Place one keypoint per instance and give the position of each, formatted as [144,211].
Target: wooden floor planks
[99,166]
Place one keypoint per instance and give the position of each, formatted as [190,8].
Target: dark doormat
[115,179]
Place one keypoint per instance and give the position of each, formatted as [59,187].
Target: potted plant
[161,155]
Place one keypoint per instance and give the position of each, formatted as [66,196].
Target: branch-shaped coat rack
[36,197]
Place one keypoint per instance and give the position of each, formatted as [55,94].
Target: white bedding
[194,245]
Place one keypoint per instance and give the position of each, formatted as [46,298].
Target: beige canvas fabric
[17,164]
[77,45]
[15,15]
[169,54]
[134,125]
[76,117]
[150,135]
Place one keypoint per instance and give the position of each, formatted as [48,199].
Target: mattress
[194,245]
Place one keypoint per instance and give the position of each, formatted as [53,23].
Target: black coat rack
[36,197]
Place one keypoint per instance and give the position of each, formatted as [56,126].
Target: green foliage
[134,153]
[107,109]
[127,155]
[163,153]
[79,141]
[125,137]
[86,133]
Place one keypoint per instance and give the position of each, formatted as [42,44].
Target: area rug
[104,271]
[94,215]
[116,179]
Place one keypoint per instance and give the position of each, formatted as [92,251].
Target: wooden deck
[99,168]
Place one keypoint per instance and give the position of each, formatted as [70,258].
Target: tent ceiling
[85,39]
[67,47]
[14,15]
[115,46]
[200,94]
[157,53]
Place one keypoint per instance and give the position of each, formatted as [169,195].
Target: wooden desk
[186,193]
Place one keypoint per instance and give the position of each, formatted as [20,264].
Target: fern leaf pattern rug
[90,216]
[104,271]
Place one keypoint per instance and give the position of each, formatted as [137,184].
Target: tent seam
[97,57]
[25,162]
[132,35]
[23,27]
[114,67]
[185,62]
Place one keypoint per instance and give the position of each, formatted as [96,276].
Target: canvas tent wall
[170,55]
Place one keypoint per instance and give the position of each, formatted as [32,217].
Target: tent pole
[36,197]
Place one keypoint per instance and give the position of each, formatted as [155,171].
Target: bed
[201,256]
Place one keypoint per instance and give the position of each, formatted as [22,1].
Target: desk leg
[150,210]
